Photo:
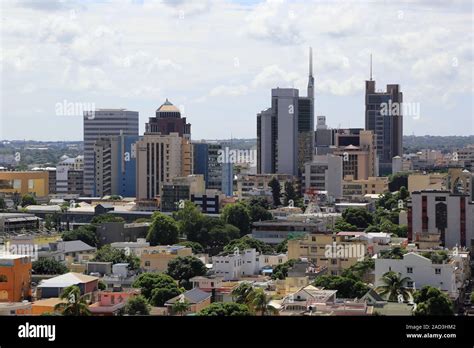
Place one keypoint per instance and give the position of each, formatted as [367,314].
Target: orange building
[15,278]
[36,182]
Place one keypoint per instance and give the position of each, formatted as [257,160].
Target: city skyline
[170,53]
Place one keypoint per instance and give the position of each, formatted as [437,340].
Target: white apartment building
[244,263]
[324,173]
[447,276]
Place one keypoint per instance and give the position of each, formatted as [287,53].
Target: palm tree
[394,286]
[242,293]
[260,302]
[181,306]
[76,305]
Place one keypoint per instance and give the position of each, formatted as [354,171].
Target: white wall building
[247,262]
[422,271]
[324,173]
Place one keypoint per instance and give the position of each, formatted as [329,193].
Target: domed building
[168,120]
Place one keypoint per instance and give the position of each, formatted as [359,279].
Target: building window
[333,262]
[409,269]
[147,263]
[437,270]
[3,278]
[409,284]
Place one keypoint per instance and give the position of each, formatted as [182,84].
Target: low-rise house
[121,276]
[220,290]
[15,308]
[156,258]
[46,305]
[446,271]
[336,253]
[248,262]
[74,251]
[101,268]
[196,298]
[12,223]
[310,300]
[111,303]
[53,287]
[134,248]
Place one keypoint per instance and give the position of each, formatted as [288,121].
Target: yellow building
[420,182]
[372,185]
[155,259]
[336,252]
[290,285]
[36,182]
[47,305]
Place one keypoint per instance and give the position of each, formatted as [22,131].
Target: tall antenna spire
[371,67]
[310,77]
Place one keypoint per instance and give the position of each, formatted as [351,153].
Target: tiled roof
[195,295]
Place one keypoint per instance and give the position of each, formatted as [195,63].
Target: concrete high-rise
[383,116]
[168,120]
[161,157]
[285,132]
[98,124]
[115,165]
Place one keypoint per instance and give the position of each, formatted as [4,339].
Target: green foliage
[157,288]
[213,234]
[275,186]
[27,200]
[394,253]
[341,226]
[359,269]
[282,247]
[189,219]
[137,305]
[101,285]
[48,266]
[436,256]
[195,246]
[180,307]
[281,271]
[114,255]
[115,198]
[258,213]
[75,304]
[184,268]
[393,286]
[225,310]
[431,301]
[242,293]
[358,217]
[248,242]
[397,181]
[99,219]
[86,233]
[163,230]
[237,215]
[346,287]
[289,193]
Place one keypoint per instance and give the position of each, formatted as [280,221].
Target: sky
[217,60]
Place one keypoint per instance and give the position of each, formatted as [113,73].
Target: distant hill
[413,143]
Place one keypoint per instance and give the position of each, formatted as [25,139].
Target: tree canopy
[237,215]
[48,266]
[157,288]
[225,309]
[115,255]
[86,233]
[346,287]
[163,230]
[431,301]
[184,268]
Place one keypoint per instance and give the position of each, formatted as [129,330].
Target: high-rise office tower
[161,157]
[168,120]
[115,165]
[98,124]
[285,132]
[217,174]
[383,116]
